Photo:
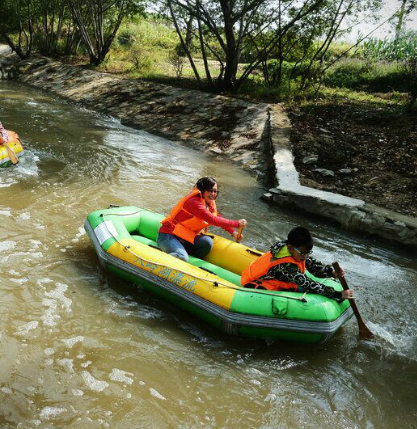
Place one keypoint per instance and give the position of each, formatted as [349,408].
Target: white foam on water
[42,281]
[67,363]
[93,383]
[35,422]
[58,294]
[7,213]
[49,351]
[20,281]
[7,245]
[69,342]
[120,375]
[49,318]
[77,392]
[24,216]
[80,233]
[25,329]
[6,390]
[49,412]
[49,362]
[54,298]
[156,394]
[86,364]
[35,243]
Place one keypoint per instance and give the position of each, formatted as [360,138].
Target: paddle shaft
[363,329]
[239,234]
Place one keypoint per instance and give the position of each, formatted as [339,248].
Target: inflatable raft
[125,241]
[14,144]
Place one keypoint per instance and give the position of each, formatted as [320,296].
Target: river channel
[81,349]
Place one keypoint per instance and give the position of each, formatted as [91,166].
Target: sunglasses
[303,254]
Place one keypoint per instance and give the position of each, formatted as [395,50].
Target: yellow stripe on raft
[231,256]
[174,270]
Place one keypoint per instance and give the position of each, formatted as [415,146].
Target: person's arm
[319,269]
[291,273]
[199,209]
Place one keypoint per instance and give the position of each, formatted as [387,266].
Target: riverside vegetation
[354,109]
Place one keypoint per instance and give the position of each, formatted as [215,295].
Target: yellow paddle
[239,234]
[11,154]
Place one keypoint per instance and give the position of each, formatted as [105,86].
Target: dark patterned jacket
[288,272]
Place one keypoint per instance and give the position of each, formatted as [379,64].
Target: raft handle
[254,252]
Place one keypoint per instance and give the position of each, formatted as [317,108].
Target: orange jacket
[261,266]
[190,227]
[12,137]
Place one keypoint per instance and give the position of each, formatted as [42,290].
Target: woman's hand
[238,237]
[243,223]
[347,294]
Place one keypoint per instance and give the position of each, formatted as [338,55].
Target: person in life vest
[284,266]
[4,136]
[181,231]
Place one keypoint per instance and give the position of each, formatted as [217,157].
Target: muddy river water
[82,349]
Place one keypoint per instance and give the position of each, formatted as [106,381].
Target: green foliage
[364,75]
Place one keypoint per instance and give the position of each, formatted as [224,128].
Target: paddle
[239,234]
[11,154]
[364,332]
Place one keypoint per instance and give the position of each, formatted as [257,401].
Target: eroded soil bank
[360,150]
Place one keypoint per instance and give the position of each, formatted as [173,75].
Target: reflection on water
[80,348]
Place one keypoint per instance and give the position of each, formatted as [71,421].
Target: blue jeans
[180,248]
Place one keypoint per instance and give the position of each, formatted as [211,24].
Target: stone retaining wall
[351,213]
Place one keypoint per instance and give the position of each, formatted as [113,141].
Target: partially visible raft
[14,144]
[125,241]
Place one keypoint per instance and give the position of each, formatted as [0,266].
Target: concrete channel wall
[254,135]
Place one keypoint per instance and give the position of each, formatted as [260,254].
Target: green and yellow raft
[14,144]
[125,241]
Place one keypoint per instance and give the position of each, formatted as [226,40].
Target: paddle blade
[12,156]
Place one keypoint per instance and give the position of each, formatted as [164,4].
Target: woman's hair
[205,184]
[300,236]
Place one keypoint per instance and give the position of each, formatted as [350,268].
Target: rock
[324,172]
[345,171]
[312,159]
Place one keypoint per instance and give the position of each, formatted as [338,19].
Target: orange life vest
[189,228]
[12,137]
[261,266]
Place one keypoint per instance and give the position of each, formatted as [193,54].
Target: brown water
[81,349]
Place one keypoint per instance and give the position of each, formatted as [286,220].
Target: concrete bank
[254,135]
[351,213]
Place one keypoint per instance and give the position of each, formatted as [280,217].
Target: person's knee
[180,255]
[206,243]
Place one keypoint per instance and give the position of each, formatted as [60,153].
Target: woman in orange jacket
[181,231]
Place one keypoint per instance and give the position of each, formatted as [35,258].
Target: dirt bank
[362,150]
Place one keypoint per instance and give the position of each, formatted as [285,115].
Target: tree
[98,22]
[407,6]
[262,28]
[17,19]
